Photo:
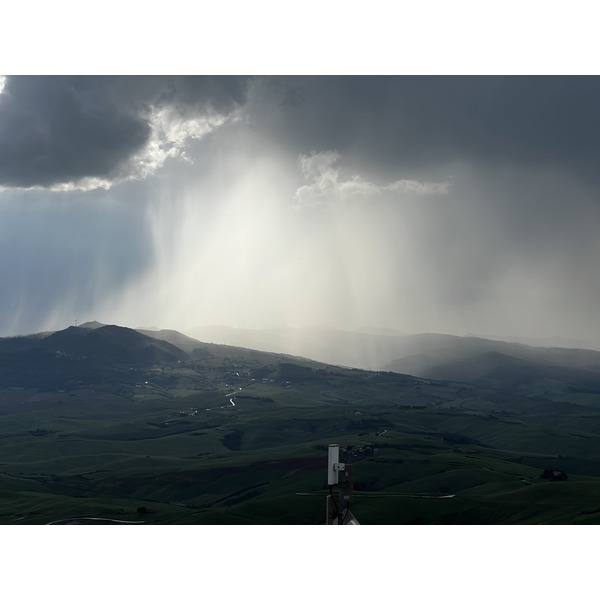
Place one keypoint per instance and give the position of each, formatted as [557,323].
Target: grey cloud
[412,121]
[50,135]
[326,183]
[62,130]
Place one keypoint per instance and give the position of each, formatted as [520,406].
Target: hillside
[492,363]
[111,424]
[80,355]
[112,344]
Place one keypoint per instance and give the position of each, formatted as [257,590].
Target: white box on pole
[334,459]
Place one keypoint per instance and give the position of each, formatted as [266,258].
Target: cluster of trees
[554,475]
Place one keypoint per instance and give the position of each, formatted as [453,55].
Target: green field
[233,436]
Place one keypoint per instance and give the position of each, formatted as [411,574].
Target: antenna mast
[335,516]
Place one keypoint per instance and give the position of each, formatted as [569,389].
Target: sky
[451,204]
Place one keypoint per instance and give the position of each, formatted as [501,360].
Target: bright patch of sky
[327,184]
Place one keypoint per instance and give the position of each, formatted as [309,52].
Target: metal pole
[336,515]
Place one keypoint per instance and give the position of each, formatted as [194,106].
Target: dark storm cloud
[50,134]
[60,130]
[414,121]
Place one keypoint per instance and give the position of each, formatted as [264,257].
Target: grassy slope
[169,439]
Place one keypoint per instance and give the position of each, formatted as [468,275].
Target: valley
[104,424]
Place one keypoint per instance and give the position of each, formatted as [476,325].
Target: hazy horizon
[459,205]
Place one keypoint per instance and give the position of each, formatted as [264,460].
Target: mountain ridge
[389,352]
[480,361]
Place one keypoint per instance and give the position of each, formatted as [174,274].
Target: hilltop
[84,354]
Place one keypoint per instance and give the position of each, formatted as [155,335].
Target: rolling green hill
[104,424]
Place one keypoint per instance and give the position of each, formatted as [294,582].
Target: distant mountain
[183,342]
[88,353]
[435,356]
[94,351]
[94,354]
[344,348]
[377,349]
[197,349]
[111,343]
[476,359]
[547,342]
